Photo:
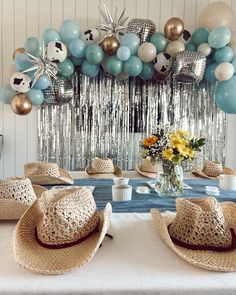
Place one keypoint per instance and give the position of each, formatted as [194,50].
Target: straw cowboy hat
[46,173]
[147,169]
[212,170]
[103,168]
[202,232]
[16,195]
[60,232]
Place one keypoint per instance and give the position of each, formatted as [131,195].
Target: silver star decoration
[114,25]
[42,66]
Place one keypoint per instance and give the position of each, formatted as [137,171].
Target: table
[136,261]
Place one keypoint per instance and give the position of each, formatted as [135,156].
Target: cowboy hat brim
[13,210]
[211,260]
[64,178]
[30,255]
[117,173]
[200,173]
[145,174]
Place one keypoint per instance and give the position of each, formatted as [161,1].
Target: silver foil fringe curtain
[108,118]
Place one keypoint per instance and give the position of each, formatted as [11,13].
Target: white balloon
[204,48]
[224,71]
[215,15]
[233,47]
[147,52]
[56,51]
[20,82]
[233,37]
[162,62]
[90,36]
[175,47]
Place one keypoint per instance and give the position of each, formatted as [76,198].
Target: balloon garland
[116,48]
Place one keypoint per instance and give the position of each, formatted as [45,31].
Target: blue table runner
[144,202]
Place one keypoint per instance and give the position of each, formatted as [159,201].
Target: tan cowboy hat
[103,168]
[60,232]
[47,173]
[16,195]
[202,232]
[212,170]
[147,169]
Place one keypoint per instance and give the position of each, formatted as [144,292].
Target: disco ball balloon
[61,92]
[144,28]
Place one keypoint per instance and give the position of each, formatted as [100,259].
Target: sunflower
[168,154]
[150,141]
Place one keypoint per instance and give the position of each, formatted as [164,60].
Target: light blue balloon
[199,36]
[66,68]
[69,30]
[133,66]
[32,46]
[123,53]
[35,96]
[191,47]
[77,48]
[234,65]
[225,96]
[94,54]
[219,37]
[6,93]
[51,34]
[89,69]
[42,83]
[21,63]
[160,41]
[147,71]
[131,41]
[77,61]
[113,65]
[210,73]
[224,54]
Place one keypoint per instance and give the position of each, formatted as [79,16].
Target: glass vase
[169,181]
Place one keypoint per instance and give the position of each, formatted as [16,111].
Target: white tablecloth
[135,262]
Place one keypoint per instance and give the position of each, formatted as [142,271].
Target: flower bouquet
[170,149]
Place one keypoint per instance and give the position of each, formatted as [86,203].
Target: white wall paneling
[24,18]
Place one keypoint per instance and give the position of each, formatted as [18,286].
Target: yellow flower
[182,133]
[175,140]
[183,150]
[191,153]
[168,154]
[149,141]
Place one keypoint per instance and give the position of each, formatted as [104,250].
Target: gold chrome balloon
[18,51]
[173,29]
[21,104]
[110,45]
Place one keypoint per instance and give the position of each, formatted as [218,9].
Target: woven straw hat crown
[200,222]
[18,189]
[212,169]
[104,165]
[147,166]
[41,168]
[67,216]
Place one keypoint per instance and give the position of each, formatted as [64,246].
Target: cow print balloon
[56,51]
[20,82]
[90,36]
[185,37]
[162,62]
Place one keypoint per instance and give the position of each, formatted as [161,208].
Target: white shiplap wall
[20,19]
